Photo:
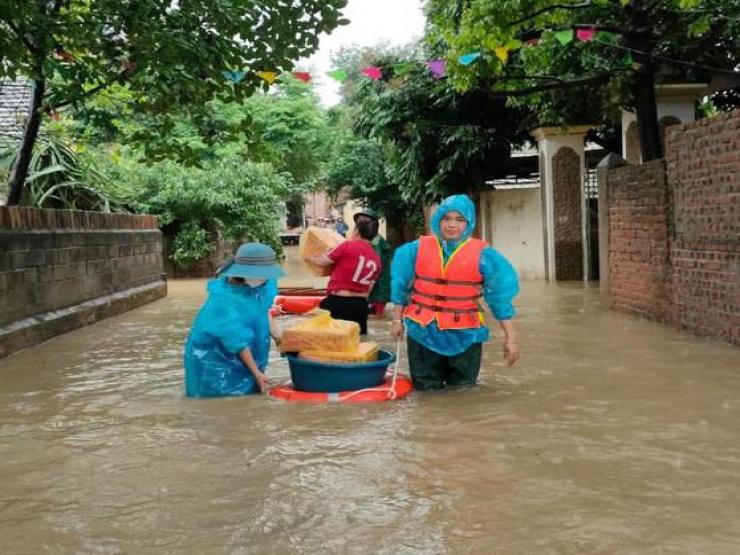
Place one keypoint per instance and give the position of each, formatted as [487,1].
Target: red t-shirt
[356,267]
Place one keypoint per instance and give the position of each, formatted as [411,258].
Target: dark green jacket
[381,293]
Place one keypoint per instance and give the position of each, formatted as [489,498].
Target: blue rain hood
[459,203]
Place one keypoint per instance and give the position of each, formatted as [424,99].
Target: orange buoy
[297,304]
[384,392]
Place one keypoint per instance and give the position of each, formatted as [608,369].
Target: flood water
[611,436]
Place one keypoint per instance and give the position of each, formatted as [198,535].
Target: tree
[693,39]
[444,141]
[170,54]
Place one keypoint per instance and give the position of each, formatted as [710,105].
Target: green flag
[338,74]
[564,37]
[402,68]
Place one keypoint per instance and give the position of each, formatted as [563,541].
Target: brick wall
[703,163]
[674,229]
[567,186]
[639,264]
[57,259]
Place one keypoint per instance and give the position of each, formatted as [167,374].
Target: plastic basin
[332,377]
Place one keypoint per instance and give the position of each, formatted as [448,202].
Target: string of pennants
[438,67]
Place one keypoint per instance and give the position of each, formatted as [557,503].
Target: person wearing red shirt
[356,267]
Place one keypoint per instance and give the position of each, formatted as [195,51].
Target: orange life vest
[447,293]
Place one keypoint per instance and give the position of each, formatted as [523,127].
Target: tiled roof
[15,97]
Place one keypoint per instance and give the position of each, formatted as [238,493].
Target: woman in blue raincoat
[436,282]
[227,350]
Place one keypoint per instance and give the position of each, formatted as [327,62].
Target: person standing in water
[226,352]
[436,283]
[381,292]
[356,267]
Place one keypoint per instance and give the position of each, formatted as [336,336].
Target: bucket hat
[369,212]
[252,260]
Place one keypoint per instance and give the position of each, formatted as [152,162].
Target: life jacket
[447,293]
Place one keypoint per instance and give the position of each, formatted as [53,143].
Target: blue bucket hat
[252,261]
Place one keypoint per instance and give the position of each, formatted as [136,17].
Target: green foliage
[171,53]
[62,177]
[227,199]
[583,81]
[439,141]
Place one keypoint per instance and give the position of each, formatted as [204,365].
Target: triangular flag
[372,72]
[514,44]
[302,75]
[627,59]
[502,53]
[338,74]
[606,36]
[268,76]
[564,37]
[467,59]
[234,76]
[586,35]
[402,68]
[438,67]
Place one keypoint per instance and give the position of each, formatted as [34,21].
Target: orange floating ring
[295,304]
[383,392]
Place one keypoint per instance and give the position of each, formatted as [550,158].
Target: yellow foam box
[315,241]
[321,333]
[366,352]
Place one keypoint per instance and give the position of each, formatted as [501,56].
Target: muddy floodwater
[612,435]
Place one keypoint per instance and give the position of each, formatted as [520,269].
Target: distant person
[227,350]
[436,284]
[341,227]
[381,293]
[356,267]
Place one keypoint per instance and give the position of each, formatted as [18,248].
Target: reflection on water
[613,435]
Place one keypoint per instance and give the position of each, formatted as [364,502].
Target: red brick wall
[703,164]
[674,231]
[639,264]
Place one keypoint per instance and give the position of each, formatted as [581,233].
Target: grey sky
[371,21]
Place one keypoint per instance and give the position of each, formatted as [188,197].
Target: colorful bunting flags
[586,34]
[467,59]
[302,75]
[438,68]
[564,37]
[338,74]
[234,76]
[372,72]
[502,53]
[268,76]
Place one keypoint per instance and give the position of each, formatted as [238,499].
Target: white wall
[512,223]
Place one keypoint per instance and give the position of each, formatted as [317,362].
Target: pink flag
[438,67]
[302,75]
[585,34]
[372,72]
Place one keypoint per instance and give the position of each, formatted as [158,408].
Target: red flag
[302,75]
[585,34]
[372,72]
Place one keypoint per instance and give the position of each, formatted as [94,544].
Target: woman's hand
[511,352]
[397,329]
[262,380]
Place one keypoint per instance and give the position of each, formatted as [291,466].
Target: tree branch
[594,79]
[117,79]
[550,9]
[21,36]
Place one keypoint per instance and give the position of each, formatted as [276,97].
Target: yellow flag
[268,76]
[502,53]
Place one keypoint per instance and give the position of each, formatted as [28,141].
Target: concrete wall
[674,231]
[511,221]
[52,262]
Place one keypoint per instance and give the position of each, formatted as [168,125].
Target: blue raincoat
[233,317]
[500,284]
